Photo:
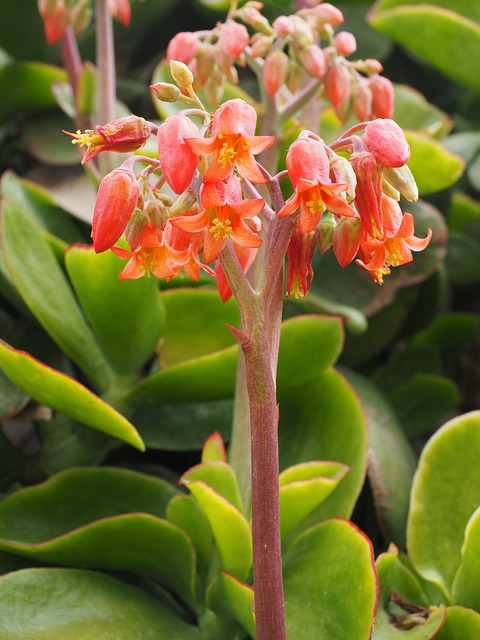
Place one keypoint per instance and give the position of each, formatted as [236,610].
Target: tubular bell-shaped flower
[223,217]
[300,254]
[308,167]
[233,143]
[152,256]
[122,135]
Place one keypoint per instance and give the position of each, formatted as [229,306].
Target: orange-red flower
[308,167]
[222,217]
[395,249]
[300,254]
[152,256]
[122,135]
[233,143]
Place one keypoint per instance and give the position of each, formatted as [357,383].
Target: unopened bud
[284,26]
[313,59]
[260,45]
[362,100]
[181,74]
[183,47]
[328,14]
[294,77]
[303,34]
[401,178]
[134,229]
[254,18]
[386,140]
[275,71]
[383,96]
[337,84]
[345,43]
[165,91]
[184,202]
[369,66]
[156,213]
[81,13]
[342,171]
[326,228]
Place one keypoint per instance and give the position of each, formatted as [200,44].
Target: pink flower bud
[260,45]
[387,142]
[284,26]
[383,96]
[362,100]
[120,9]
[177,160]
[117,198]
[313,59]
[345,43]
[56,18]
[337,84]
[346,239]
[233,39]
[328,14]
[275,71]
[183,47]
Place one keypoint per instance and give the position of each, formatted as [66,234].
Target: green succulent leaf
[397,582]
[27,85]
[74,603]
[461,623]
[59,522]
[220,477]
[44,288]
[322,419]
[227,595]
[62,393]
[433,166]
[445,493]
[437,34]
[391,460]
[229,526]
[303,487]
[127,317]
[330,584]
[465,586]
[195,326]
[413,112]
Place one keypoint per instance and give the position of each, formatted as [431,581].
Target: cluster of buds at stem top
[57,15]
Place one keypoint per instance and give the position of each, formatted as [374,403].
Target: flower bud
[117,198]
[386,140]
[275,71]
[346,239]
[120,9]
[345,43]
[383,96]
[260,45]
[283,25]
[254,18]
[294,77]
[342,171]
[337,84]
[326,228]
[56,18]
[401,179]
[81,13]
[183,47]
[177,160]
[134,228]
[362,100]
[328,14]
[156,213]
[233,39]
[313,59]
[181,74]
[165,91]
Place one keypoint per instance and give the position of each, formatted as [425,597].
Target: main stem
[261,355]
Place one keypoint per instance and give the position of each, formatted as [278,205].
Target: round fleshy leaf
[45,290]
[330,584]
[322,419]
[461,624]
[185,512]
[445,493]
[303,487]
[70,603]
[433,166]
[438,35]
[127,316]
[413,112]
[228,595]
[219,476]
[195,326]
[89,517]
[230,529]
[62,393]
[398,582]
[26,85]
[391,460]
[465,588]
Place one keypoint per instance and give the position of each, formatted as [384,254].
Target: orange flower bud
[116,201]
[337,84]
[313,59]
[177,160]
[183,47]
[233,39]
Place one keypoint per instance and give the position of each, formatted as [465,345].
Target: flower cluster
[202,197]
[57,15]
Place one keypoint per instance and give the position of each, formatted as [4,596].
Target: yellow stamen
[221,230]
[88,138]
[232,149]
